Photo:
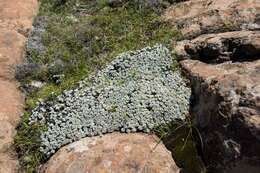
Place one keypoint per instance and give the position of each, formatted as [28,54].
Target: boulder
[196,17]
[236,46]
[113,153]
[224,70]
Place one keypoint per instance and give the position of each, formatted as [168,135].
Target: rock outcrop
[240,46]
[224,69]
[227,96]
[196,17]
[15,23]
[113,153]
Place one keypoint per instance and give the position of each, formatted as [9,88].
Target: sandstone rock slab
[15,23]
[196,17]
[235,46]
[224,70]
[113,153]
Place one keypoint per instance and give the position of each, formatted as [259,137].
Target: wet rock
[115,153]
[196,17]
[224,72]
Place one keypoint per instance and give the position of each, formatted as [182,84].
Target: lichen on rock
[135,92]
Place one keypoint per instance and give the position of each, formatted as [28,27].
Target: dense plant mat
[77,38]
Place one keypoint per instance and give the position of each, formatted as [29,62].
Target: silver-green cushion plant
[136,92]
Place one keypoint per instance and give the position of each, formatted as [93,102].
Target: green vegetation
[28,143]
[84,35]
[183,140]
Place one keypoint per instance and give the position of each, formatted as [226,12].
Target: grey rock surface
[136,92]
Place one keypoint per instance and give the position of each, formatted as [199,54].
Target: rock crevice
[221,57]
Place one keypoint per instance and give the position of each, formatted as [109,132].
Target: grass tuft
[27,140]
[184,141]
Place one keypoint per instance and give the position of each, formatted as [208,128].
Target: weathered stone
[196,17]
[224,70]
[15,23]
[113,153]
[217,48]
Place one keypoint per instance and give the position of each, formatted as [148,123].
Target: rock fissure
[223,47]
[224,71]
